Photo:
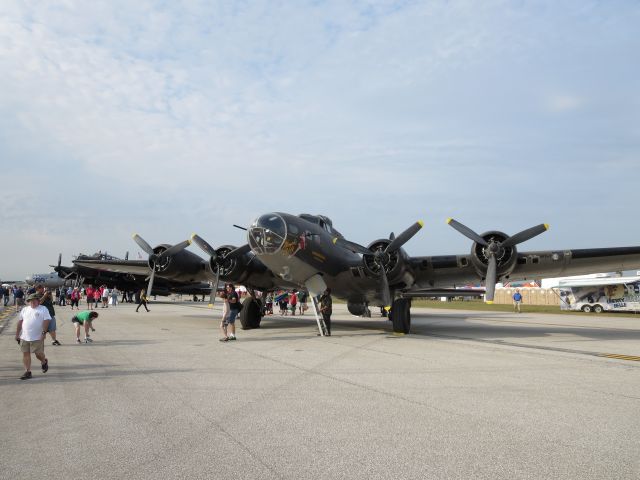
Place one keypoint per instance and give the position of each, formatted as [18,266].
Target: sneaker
[232,338]
[26,376]
[88,340]
[45,366]
[78,340]
[56,342]
[224,339]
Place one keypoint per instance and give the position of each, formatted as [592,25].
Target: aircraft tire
[401,316]
[251,314]
[407,319]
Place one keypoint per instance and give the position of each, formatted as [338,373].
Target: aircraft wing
[448,270]
[134,267]
[444,292]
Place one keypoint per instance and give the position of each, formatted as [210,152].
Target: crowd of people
[288,301]
[37,318]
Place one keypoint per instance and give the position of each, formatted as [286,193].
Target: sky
[172,118]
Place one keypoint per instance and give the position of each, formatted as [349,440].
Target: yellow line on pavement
[631,358]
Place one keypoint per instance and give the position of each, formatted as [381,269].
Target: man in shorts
[85,318]
[30,332]
[46,301]
[234,309]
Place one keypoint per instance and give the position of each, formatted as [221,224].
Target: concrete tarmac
[467,395]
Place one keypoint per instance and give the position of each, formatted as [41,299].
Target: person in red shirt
[75,298]
[89,293]
[293,301]
[97,295]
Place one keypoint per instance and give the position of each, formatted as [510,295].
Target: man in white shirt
[30,332]
[105,297]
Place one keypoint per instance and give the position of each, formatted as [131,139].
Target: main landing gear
[251,313]
[400,315]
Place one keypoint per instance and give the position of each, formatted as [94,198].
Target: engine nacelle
[246,269]
[505,257]
[182,266]
[395,263]
[231,269]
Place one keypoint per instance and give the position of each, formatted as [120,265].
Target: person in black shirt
[234,310]
[325,309]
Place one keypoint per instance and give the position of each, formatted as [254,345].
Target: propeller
[204,245]
[214,290]
[57,267]
[209,250]
[155,258]
[142,244]
[380,255]
[493,248]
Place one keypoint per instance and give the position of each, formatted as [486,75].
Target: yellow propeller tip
[335,240]
[193,235]
[387,307]
[449,220]
[134,235]
[421,223]
[546,226]
[189,241]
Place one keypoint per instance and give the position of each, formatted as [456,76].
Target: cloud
[172,117]
[564,103]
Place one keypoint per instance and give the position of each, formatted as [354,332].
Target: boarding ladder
[322,327]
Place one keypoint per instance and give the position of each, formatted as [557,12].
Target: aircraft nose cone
[29,279]
[267,234]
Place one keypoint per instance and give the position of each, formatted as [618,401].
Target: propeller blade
[178,247]
[214,290]
[142,244]
[405,236]
[354,247]
[525,235]
[153,274]
[490,282]
[467,232]
[126,256]
[386,294]
[206,248]
[59,260]
[238,252]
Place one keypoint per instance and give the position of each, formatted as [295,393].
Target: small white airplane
[49,280]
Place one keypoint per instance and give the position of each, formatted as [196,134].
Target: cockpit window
[323,222]
[267,234]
